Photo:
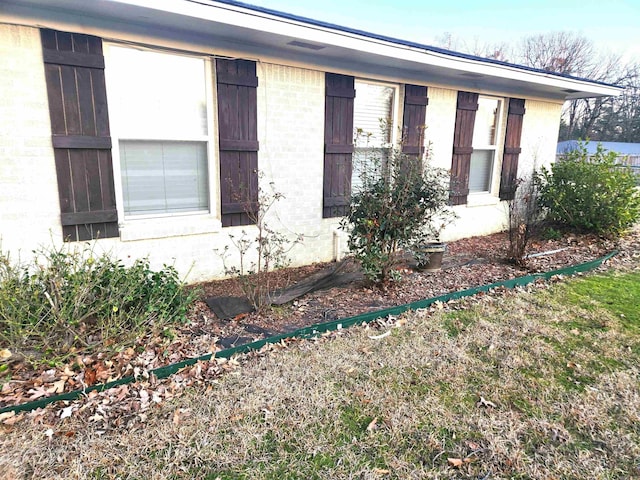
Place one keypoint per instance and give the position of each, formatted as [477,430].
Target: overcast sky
[613,25]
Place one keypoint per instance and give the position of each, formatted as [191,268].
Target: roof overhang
[258,32]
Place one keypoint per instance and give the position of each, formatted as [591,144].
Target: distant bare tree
[600,118]
[560,52]
[449,42]
[619,119]
[494,51]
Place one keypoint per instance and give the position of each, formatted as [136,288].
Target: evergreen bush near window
[590,193]
[400,203]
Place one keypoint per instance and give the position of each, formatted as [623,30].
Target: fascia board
[264,22]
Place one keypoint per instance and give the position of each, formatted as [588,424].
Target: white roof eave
[273,33]
[264,22]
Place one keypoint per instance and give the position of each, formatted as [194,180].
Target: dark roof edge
[406,43]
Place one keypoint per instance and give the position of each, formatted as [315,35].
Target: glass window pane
[484,130]
[164,177]
[157,94]
[481,170]
[372,121]
[373,113]
[368,163]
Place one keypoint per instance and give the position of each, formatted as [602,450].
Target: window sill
[482,200]
[172,226]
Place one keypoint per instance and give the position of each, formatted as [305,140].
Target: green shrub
[66,302]
[400,204]
[590,193]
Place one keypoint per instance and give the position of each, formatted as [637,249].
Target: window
[484,144]
[347,113]
[162,130]
[373,121]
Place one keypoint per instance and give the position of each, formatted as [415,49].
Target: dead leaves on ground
[124,405]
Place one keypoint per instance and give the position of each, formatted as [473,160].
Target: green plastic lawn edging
[314,330]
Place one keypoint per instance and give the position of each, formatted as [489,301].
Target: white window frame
[138,227]
[395,113]
[496,149]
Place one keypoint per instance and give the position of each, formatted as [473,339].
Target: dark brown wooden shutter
[413,118]
[509,176]
[462,146]
[74,70]
[338,144]
[237,84]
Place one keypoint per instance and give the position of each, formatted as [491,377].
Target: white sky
[613,25]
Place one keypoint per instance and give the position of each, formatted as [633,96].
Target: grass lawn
[542,385]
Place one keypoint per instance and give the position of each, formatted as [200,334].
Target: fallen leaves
[459,462]
[90,376]
[57,387]
[201,334]
[10,418]
[179,414]
[66,412]
[381,471]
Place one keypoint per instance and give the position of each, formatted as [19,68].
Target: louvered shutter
[237,83]
[74,72]
[338,148]
[508,178]
[462,146]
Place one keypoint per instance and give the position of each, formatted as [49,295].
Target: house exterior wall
[485,214]
[291,136]
[29,208]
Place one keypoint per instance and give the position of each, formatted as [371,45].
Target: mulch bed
[468,263]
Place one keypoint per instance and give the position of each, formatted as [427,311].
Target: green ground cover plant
[62,303]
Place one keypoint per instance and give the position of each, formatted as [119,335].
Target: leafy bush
[64,302]
[400,204]
[590,193]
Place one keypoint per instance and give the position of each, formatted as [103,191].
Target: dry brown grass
[564,379]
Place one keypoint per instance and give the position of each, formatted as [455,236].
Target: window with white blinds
[161,125]
[373,122]
[164,176]
[484,144]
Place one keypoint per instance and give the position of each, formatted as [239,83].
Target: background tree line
[600,119]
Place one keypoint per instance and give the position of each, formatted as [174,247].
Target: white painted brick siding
[291,136]
[540,127]
[440,122]
[539,138]
[29,208]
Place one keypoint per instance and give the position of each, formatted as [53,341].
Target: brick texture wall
[290,130]
[29,211]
